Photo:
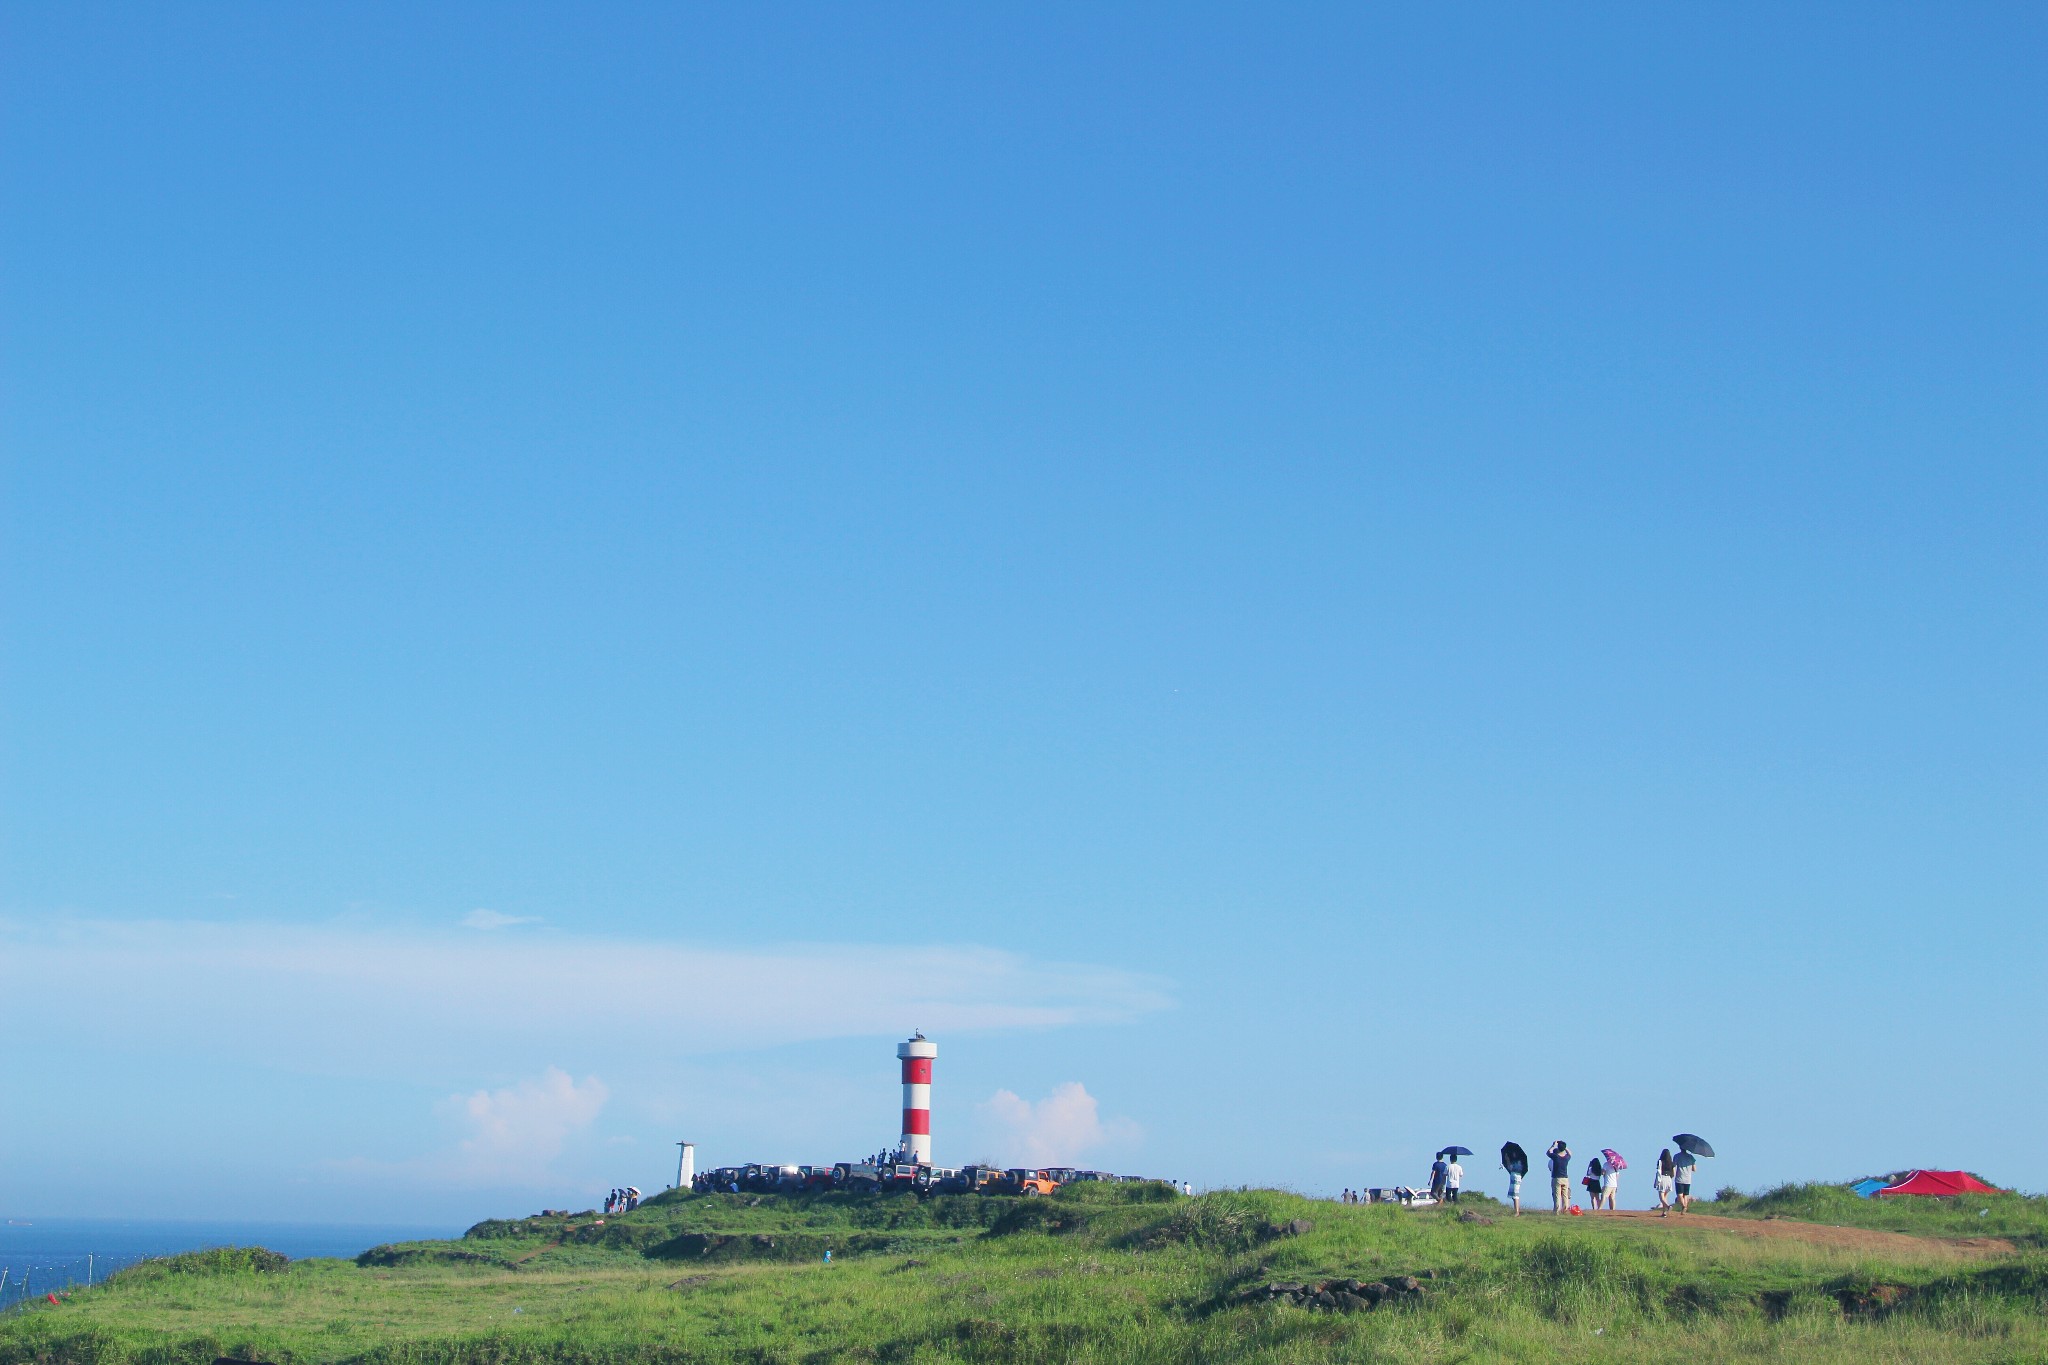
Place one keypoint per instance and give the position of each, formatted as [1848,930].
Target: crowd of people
[1672,1180]
[622,1201]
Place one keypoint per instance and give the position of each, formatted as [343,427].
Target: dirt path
[1820,1234]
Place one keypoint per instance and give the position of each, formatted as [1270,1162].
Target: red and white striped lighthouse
[917,1056]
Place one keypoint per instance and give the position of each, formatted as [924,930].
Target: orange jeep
[1021,1180]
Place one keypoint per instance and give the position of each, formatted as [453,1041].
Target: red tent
[1939,1182]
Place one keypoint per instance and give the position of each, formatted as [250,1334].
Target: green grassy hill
[2014,1217]
[1103,1274]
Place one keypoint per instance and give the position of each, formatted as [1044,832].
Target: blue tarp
[1868,1188]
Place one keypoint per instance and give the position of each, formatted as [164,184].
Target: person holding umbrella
[1612,1165]
[1446,1176]
[1515,1162]
[1691,1147]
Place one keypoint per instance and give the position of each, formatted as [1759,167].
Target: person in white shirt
[1610,1185]
[1454,1176]
[1688,1165]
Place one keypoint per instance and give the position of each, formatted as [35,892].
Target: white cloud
[406,1004]
[1057,1130]
[514,1133]
[495,919]
[511,1138]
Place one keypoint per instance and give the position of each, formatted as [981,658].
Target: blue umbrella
[1692,1142]
[1455,1151]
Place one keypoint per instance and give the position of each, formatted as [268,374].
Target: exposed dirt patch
[1871,1302]
[1820,1234]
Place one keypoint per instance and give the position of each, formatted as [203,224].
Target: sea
[49,1255]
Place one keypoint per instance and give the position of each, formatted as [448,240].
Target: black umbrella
[1513,1159]
[1455,1151]
[1692,1142]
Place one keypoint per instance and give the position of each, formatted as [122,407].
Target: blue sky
[1293,584]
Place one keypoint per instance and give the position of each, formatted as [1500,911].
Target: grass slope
[2016,1218]
[1105,1274]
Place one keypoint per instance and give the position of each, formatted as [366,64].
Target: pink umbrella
[1615,1160]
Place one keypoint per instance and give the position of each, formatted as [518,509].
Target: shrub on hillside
[1571,1275]
[1039,1215]
[1219,1222]
[620,1236]
[1104,1192]
[427,1253]
[541,1225]
[210,1261]
[759,1246]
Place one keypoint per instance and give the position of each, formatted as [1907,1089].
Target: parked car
[857,1175]
[966,1179]
[1026,1181]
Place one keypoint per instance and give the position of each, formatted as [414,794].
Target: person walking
[1610,1186]
[1454,1177]
[1438,1174]
[1591,1180]
[1515,1191]
[1560,1176]
[1682,1174]
[1663,1182]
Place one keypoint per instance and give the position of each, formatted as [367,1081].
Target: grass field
[1103,1274]
[2009,1216]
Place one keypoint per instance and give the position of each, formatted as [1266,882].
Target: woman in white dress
[1667,1172]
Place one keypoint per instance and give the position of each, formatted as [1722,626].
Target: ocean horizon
[42,1255]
